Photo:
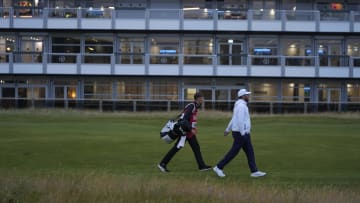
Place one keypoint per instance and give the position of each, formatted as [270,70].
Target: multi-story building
[284,51]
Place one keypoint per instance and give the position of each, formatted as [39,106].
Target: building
[288,52]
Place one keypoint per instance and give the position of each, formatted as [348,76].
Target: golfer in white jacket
[240,127]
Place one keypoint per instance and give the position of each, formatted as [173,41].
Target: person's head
[199,98]
[243,94]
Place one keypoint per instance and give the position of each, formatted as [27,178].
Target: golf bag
[173,129]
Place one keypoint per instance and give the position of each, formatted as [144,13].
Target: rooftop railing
[8,15]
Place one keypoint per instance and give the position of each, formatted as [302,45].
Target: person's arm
[228,128]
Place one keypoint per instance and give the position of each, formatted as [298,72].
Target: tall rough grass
[109,188]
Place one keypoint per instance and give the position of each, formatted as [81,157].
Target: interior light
[91,49]
[73,94]
[272,12]
[230,41]
[191,8]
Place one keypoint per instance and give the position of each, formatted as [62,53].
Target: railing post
[271,108]
[351,66]
[250,19]
[168,106]
[11,17]
[101,105]
[317,21]
[78,63]
[282,61]
[352,20]
[45,17]
[283,20]
[66,104]
[79,17]
[134,106]
[317,66]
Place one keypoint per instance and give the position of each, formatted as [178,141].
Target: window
[164,50]
[65,49]
[230,51]
[164,90]
[292,91]
[7,45]
[198,50]
[98,89]
[264,51]
[130,90]
[298,52]
[263,91]
[31,49]
[353,92]
[330,53]
[353,50]
[98,49]
[232,9]
[131,51]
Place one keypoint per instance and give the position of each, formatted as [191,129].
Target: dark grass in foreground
[57,156]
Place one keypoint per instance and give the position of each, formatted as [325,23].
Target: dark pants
[194,144]
[240,142]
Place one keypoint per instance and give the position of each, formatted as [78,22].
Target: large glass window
[134,89]
[329,92]
[65,49]
[198,50]
[298,52]
[261,91]
[333,10]
[265,10]
[353,92]
[293,91]
[164,50]
[7,45]
[230,51]
[98,49]
[131,50]
[264,51]
[98,89]
[164,90]
[330,53]
[31,49]
[353,50]
[65,89]
[232,9]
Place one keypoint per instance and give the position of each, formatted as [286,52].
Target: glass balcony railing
[180,15]
[178,59]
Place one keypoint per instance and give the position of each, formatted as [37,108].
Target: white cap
[243,92]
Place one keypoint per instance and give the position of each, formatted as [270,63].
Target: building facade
[284,51]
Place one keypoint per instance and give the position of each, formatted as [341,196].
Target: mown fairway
[57,156]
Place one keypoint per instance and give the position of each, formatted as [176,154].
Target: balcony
[325,66]
[179,19]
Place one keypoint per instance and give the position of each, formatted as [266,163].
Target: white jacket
[240,120]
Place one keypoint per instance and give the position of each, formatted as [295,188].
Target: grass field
[68,156]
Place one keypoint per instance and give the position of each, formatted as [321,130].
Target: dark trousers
[194,144]
[240,142]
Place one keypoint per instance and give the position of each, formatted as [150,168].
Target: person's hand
[226,133]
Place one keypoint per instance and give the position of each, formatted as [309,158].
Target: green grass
[59,156]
